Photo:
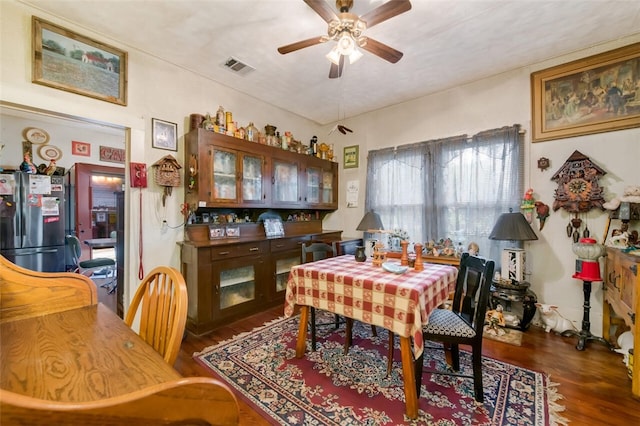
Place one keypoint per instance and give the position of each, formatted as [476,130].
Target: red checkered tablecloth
[398,302]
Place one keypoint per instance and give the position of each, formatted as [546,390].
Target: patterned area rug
[329,388]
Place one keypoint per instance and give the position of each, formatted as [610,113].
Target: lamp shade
[370,222]
[512,227]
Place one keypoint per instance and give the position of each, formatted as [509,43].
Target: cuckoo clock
[167,174]
[578,189]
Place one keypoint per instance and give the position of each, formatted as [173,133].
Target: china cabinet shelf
[221,167]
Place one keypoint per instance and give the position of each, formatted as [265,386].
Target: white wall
[491,103]
[156,89]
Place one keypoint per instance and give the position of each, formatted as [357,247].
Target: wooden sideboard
[622,296]
[232,278]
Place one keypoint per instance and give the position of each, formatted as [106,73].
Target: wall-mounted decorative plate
[35,135]
[50,152]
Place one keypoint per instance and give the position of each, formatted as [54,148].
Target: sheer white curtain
[448,188]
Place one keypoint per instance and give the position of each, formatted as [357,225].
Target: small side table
[510,296]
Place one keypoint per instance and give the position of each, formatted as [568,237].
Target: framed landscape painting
[600,93]
[68,61]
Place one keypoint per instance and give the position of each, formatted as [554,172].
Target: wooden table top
[83,354]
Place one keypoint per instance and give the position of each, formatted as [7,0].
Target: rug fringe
[265,325]
[554,408]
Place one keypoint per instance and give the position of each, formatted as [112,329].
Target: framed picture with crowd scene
[74,63]
[600,93]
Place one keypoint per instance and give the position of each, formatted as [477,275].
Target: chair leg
[455,357]
[337,321]
[348,334]
[312,325]
[418,365]
[374,331]
[390,353]
[477,374]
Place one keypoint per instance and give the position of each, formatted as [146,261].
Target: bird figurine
[51,168]
[542,212]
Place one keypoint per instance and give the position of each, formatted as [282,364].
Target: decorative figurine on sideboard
[27,165]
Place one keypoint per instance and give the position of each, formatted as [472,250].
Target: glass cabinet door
[252,178]
[237,285]
[313,185]
[224,175]
[285,182]
[327,187]
[283,268]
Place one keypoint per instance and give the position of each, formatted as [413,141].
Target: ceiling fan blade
[300,45]
[322,8]
[382,50]
[336,70]
[386,11]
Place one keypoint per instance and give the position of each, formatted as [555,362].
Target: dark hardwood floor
[593,382]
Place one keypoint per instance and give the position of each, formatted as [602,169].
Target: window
[448,188]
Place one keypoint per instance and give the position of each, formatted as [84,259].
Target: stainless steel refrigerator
[32,222]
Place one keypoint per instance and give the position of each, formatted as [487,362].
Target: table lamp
[513,227]
[370,223]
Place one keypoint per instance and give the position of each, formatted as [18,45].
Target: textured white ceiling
[445,43]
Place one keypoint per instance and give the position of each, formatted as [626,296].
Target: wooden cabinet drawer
[283,244]
[235,250]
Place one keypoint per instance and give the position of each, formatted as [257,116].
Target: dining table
[99,243]
[398,299]
[83,364]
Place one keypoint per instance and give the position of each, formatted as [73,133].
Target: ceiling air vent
[238,67]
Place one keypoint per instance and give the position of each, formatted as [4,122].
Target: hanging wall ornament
[167,174]
[578,188]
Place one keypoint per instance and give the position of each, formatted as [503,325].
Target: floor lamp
[370,223]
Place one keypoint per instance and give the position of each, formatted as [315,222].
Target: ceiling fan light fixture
[355,55]
[334,56]
[346,44]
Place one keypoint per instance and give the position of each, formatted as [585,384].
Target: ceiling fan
[347,30]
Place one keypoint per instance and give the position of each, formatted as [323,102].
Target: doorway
[96,217]
[93,207]
[67,128]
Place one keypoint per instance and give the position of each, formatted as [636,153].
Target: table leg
[408,374]
[301,344]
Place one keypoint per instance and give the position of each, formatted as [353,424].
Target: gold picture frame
[351,157]
[74,63]
[579,98]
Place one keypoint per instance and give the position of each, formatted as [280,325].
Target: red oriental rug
[329,388]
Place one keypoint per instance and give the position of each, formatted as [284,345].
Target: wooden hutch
[232,277]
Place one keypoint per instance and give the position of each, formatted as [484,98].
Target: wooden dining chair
[312,252]
[317,251]
[463,324]
[25,293]
[160,303]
